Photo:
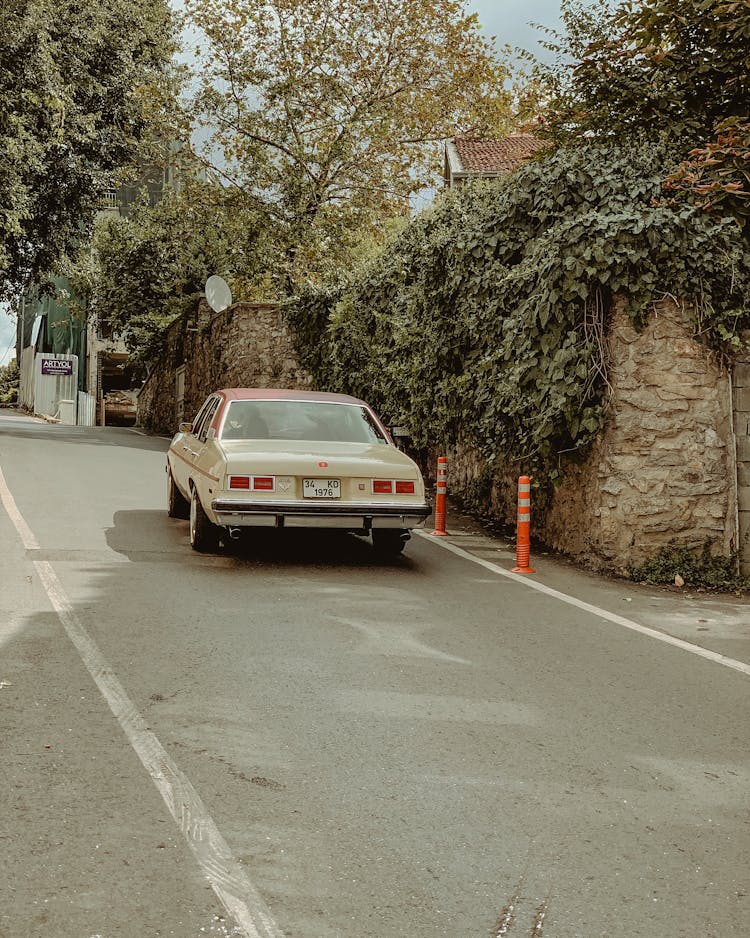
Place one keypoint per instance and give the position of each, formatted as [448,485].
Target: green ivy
[486,316]
[696,568]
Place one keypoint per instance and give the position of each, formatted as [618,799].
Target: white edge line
[524,580]
[9,503]
[227,878]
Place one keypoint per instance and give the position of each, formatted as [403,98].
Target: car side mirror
[185,427]
[400,435]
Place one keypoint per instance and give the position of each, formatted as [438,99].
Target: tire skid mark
[541,912]
[509,916]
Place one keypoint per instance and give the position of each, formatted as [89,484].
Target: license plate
[321,488]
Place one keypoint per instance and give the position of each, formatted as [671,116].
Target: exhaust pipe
[234,533]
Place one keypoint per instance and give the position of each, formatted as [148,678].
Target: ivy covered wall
[487,322]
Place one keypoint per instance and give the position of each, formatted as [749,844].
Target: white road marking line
[227,878]
[594,610]
[9,503]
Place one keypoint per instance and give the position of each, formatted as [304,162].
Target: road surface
[297,739]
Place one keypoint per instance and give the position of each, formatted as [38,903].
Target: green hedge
[486,316]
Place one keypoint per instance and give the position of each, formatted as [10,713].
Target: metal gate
[55,380]
[86,409]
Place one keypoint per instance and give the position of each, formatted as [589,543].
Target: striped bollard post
[523,529]
[442,473]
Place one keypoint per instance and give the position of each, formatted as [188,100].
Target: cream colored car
[292,459]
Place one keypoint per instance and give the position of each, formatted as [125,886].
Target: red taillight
[382,486]
[404,488]
[263,483]
[239,482]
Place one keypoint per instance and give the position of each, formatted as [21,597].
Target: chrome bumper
[234,513]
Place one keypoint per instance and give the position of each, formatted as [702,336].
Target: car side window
[202,431]
[198,419]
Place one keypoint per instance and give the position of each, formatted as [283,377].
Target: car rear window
[301,420]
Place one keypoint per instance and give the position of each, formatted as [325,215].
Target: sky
[509,20]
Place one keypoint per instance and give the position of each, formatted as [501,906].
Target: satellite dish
[218,294]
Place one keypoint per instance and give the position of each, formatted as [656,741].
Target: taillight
[404,488]
[263,483]
[382,486]
[239,482]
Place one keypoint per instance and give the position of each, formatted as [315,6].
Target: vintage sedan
[292,459]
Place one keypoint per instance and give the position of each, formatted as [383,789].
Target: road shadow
[96,436]
[150,536]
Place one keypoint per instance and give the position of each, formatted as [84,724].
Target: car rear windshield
[300,420]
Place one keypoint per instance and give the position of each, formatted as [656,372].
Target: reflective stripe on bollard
[442,475]
[523,527]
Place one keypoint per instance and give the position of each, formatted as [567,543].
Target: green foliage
[654,68]
[9,378]
[697,568]
[72,80]
[486,317]
[651,66]
[716,177]
[151,267]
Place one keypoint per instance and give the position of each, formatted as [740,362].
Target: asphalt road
[299,740]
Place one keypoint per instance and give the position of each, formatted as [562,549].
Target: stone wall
[663,469]
[741,394]
[246,345]
[672,464]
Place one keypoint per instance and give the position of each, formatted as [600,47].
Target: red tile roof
[502,155]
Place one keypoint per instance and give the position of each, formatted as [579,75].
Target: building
[477,158]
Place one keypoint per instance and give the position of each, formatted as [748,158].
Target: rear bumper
[235,513]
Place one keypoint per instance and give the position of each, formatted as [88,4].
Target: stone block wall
[741,394]
[664,468]
[672,464]
[246,345]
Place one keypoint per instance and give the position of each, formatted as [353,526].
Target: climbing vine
[487,316]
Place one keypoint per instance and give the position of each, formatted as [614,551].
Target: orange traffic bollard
[523,529]
[442,473]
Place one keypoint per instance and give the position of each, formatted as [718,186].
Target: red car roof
[275,394]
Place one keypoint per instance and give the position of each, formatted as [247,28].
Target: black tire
[177,505]
[204,536]
[389,541]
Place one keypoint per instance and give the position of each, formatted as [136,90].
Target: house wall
[664,468]
[246,345]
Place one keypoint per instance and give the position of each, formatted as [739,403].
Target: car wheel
[389,541]
[204,536]
[177,505]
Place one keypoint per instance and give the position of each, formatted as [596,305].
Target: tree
[717,175]
[72,78]
[151,267]
[324,114]
[664,68]
[9,378]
